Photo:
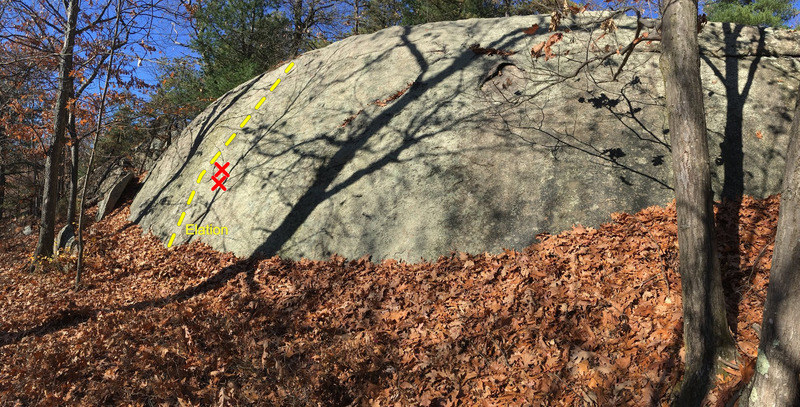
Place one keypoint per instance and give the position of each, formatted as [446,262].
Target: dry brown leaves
[382,103]
[546,46]
[476,48]
[581,318]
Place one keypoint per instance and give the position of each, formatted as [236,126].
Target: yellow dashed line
[260,102]
[217,155]
[275,85]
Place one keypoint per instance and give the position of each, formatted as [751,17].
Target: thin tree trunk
[2,181]
[79,268]
[705,329]
[775,382]
[2,175]
[73,179]
[357,16]
[299,26]
[44,247]
[33,202]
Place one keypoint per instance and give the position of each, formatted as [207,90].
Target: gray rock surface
[71,245]
[465,149]
[112,196]
[63,238]
[146,155]
[104,178]
[27,230]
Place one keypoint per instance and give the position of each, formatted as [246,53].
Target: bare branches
[94,144]
[626,50]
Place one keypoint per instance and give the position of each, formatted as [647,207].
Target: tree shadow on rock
[732,161]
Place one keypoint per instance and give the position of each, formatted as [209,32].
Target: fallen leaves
[476,48]
[575,319]
[382,103]
[532,29]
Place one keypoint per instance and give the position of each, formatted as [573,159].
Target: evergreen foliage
[772,13]
[426,11]
[180,94]
[178,98]
[379,14]
[237,40]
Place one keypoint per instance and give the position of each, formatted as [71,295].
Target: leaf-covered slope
[587,317]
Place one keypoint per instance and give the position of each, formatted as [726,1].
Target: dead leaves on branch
[608,26]
[546,46]
[579,318]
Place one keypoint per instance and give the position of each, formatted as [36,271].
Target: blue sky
[172,41]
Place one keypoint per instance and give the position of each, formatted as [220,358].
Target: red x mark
[218,182]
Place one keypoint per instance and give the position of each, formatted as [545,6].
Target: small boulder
[112,196]
[104,178]
[27,231]
[71,244]
[156,145]
[64,235]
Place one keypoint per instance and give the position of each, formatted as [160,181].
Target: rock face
[104,178]
[64,239]
[415,141]
[112,196]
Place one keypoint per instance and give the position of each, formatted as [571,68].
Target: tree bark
[299,26]
[33,206]
[706,335]
[356,16]
[44,247]
[775,382]
[2,174]
[79,234]
[73,179]
[2,181]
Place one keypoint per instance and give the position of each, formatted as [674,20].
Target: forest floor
[586,317]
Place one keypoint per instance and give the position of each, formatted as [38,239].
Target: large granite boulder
[415,141]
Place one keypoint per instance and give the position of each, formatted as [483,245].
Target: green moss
[762,364]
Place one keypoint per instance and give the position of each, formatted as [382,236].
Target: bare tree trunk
[357,6]
[33,202]
[299,26]
[44,247]
[2,181]
[79,233]
[705,329]
[2,175]
[73,179]
[775,382]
